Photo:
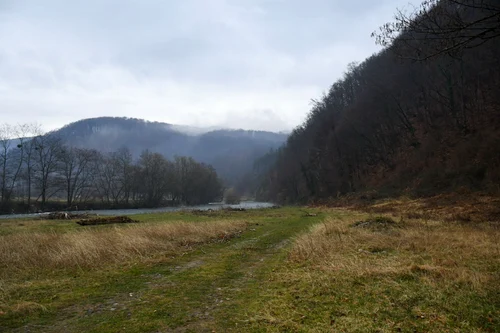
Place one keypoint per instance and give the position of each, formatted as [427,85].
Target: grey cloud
[190,62]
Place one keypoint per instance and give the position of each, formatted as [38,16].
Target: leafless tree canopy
[395,125]
[38,171]
[446,27]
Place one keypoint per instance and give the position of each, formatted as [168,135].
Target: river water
[115,212]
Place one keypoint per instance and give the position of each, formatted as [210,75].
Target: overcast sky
[252,64]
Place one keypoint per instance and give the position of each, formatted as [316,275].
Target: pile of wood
[66,216]
[202,211]
[106,220]
[231,209]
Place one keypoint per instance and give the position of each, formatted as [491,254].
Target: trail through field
[205,290]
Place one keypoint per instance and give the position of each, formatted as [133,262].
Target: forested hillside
[421,116]
[230,152]
[40,172]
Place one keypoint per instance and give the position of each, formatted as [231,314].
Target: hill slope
[231,152]
[422,116]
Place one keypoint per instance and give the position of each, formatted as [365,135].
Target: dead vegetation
[429,275]
[106,220]
[65,216]
[377,223]
[456,252]
[30,252]
[452,207]
[216,211]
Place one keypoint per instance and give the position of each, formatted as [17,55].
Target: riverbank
[286,269]
[135,211]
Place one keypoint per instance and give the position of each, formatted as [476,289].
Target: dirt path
[224,281]
[206,290]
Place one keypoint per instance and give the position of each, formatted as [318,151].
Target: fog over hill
[231,152]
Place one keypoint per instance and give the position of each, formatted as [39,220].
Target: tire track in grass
[204,290]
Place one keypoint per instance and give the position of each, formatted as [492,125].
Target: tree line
[422,115]
[38,171]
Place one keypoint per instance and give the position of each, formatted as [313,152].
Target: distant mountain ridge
[231,152]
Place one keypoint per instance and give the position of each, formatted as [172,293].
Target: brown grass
[440,251]
[452,207]
[414,275]
[32,251]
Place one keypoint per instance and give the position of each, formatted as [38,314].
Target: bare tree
[155,178]
[12,155]
[113,177]
[6,143]
[77,169]
[441,27]
[122,163]
[47,151]
[30,131]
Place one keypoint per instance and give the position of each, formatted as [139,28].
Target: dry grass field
[34,252]
[385,275]
[392,266]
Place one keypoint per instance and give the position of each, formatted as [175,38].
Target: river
[115,212]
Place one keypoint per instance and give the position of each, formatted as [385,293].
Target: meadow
[289,269]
